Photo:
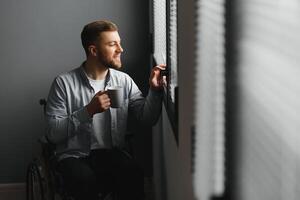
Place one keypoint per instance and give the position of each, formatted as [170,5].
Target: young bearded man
[88,133]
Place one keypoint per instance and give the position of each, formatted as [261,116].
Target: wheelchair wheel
[34,186]
[40,183]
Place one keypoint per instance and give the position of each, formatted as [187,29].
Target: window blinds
[173,48]
[160,41]
[209,113]
[165,43]
[268,157]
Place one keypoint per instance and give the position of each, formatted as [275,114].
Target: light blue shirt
[69,125]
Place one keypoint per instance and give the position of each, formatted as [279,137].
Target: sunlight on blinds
[269,92]
[160,41]
[173,48]
[209,116]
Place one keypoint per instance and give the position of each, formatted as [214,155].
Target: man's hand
[157,81]
[99,103]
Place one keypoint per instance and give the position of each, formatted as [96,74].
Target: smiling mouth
[117,57]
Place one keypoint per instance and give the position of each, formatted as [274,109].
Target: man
[87,132]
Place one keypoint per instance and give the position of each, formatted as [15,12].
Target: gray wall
[39,40]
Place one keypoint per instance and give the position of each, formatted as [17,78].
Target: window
[165,51]
[172,47]
[160,39]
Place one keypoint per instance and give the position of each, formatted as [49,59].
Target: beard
[110,62]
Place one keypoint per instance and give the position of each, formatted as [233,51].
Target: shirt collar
[85,79]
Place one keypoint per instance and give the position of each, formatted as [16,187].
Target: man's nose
[120,49]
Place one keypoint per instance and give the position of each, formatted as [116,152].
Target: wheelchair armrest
[48,148]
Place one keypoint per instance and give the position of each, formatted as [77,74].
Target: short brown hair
[91,32]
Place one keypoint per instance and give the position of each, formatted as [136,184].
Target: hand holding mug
[99,103]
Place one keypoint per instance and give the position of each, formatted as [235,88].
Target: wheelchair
[43,181]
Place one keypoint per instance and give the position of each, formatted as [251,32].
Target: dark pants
[103,171]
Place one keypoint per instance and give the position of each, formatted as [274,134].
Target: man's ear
[93,50]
